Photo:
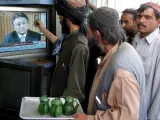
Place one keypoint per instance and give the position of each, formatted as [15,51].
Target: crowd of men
[126,83]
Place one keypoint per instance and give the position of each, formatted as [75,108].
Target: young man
[147,44]
[118,89]
[70,72]
[21,32]
[128,22]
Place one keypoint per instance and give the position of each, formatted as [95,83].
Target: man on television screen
[21,32]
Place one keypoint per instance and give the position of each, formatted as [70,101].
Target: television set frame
[34,53]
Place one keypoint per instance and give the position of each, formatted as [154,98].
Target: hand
[39,24]
[80,116]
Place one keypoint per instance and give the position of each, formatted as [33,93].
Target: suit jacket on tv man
[13,37]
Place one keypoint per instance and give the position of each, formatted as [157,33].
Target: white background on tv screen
[43,19]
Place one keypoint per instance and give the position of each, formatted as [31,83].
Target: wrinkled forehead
[20,20]
[147,12]
[154,6]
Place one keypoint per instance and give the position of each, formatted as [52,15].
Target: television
[34,44]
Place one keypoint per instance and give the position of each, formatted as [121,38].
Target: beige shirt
[123,97]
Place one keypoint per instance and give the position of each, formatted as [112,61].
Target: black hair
[65,28]
[143,7]
[131,11]
[19,14]
[111,34]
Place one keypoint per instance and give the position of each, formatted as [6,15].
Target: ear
[68,21]
[98,36]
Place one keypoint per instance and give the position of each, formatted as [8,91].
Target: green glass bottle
[56,107]
[68,107]
[43,107]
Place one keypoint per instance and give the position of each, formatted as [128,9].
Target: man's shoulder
[79,41]
[30,32]
[82,39]
[126,54]
[10,35]
[80,46]
[126,47]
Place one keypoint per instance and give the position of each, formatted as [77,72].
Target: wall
[120,5]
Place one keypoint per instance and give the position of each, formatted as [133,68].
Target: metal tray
[29,109]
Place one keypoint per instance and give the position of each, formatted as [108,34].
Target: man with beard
[70,72]
[95,51]
[118,89]
[147,44]
[65,31]
[128,22]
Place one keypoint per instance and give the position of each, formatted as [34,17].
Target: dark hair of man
[81,21]
[131,11]
[19,14]
[111,34]
[78,16]
[143,7]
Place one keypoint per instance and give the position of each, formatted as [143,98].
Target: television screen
[17,30]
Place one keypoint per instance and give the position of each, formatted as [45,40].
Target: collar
[109,54]
[24,35]
[138,38]
[72,33]
[152,36]
[149,38]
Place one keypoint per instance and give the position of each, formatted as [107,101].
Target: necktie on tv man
[22,38]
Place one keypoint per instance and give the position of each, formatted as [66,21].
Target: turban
[154,6]
[75,10]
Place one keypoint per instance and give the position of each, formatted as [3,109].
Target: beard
[65,27]
[129,33]
[92,41]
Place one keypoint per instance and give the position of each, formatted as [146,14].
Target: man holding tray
[119,86]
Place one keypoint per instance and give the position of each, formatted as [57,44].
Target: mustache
[141,24]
